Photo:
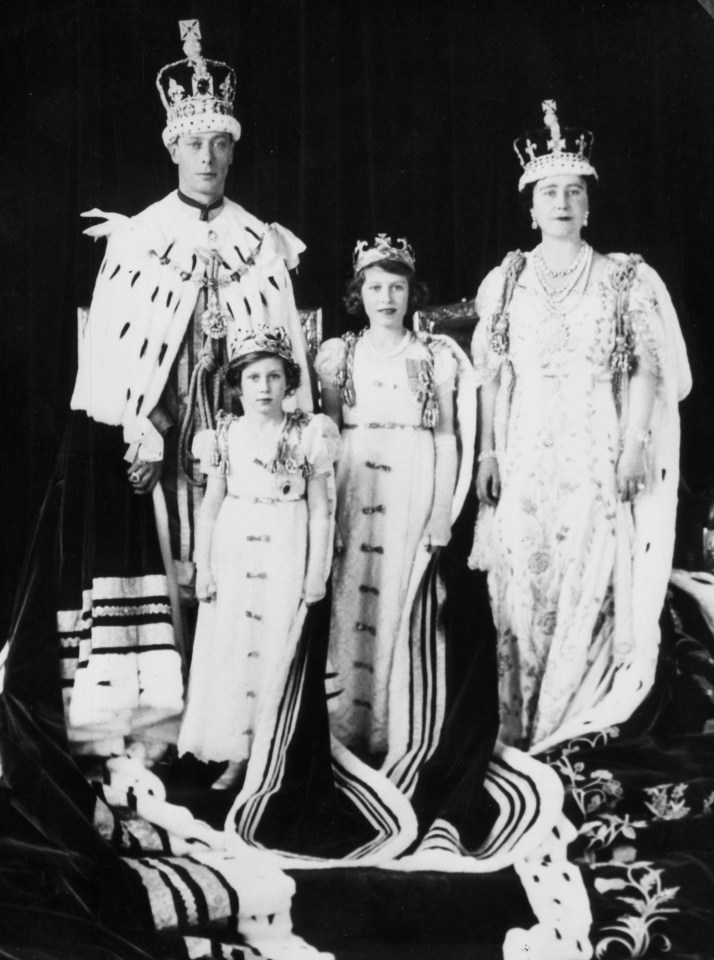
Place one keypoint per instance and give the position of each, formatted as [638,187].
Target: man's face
[203,160]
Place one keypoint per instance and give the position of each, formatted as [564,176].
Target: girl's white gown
[258,557]
[385,487]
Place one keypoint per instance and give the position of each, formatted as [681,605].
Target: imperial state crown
[197,93]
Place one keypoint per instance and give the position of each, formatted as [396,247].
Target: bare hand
[205,586]
[143,476]
[434,537]
[313,593]
[631,470]
[488,482]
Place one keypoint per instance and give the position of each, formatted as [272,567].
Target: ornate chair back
[456,320]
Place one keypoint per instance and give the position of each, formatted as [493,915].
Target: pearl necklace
[555,296]
[571,268]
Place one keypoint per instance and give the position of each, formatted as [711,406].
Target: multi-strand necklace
[556,286]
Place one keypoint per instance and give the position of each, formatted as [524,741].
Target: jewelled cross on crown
[556,144]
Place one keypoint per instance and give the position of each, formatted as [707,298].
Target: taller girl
[391,391]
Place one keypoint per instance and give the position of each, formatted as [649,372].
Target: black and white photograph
[358,480]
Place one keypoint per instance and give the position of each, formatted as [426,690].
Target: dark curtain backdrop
[358,117]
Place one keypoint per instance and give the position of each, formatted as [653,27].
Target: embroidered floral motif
[606,828]
[538,562]
[289,460]
[708,803]
[591,740]
[547,622]
[646,346]
[633,931]
[667,802]
[589,791]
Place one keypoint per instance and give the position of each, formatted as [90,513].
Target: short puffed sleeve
[445,364]
[330,363]
[646,323]
[204,448]
[321,444]
[489,302]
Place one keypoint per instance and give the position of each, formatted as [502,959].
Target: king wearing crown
[178,283]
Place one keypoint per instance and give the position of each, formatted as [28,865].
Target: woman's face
[385,297]
[262,387]
[560,205]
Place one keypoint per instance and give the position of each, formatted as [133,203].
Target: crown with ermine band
[197,93]
[554,149]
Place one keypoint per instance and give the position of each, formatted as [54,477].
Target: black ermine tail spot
[124,329]
[144,345]
[247,306]
[274,282]
[162,352]
[135,277]
[153,295]
[115,271]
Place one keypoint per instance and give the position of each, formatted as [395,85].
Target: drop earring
[534,224]
[585,219]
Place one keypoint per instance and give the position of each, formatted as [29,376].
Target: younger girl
[262,547]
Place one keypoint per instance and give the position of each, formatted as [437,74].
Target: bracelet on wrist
[487,455]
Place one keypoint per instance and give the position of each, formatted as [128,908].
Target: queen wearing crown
[394,394]
[581,364]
